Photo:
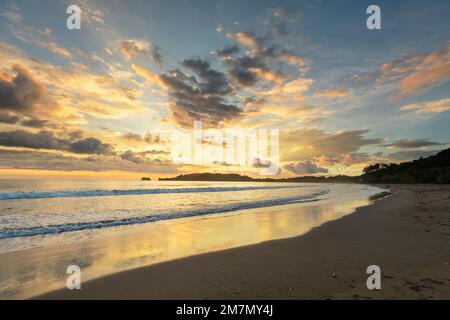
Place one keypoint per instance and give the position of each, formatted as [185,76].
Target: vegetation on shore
[434,169]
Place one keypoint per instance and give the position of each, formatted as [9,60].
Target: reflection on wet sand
[31,272]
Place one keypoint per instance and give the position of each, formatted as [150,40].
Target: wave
[103,193]
[71,227]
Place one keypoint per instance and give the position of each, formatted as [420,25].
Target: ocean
[110,226]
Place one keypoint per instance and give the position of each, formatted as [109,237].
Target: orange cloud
[336,93]
[131,48]
[149,75]
[429,106]
[247,39]
[418,74]
[53,47]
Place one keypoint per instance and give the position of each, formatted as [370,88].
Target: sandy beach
[406,234]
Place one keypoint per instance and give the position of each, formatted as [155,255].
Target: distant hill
[238,177]
[209,177]
[434,169]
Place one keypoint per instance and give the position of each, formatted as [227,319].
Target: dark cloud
[411,144]
[155,152]
[25,139]
[91,146]
[202,99]
[242,70]
[47,140]
[157,55]
[305,167]
[8,118]
[21,93]
[214,82]
[254,101]
[140,157]
[132,136]
[76,135]
[227,51]
[131,156]
[263,59]
[35,123]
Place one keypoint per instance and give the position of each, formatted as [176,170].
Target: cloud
[214,82]
[412,75]
[249,40]
[73,92]
[305,167]
[242,70]
[8,118]
[34,123]
[47,140]
[292,58]
[202,95]
[53,47]
[134,48]
[411,144]
[402,156]
[282,14]
[56,161]
[21,93]
[142,156]
[428,106]
[292,88]
[335,93]
[92,16]
[152,77]
[12,13]
[261,62]
[425,72]
[199,98]
[131,156]
[43,38]
[25,139]
[91,146]
[294,112]
[154,138]
[132,136]
[27,122]
[227,52]
[304,144]
[348,159]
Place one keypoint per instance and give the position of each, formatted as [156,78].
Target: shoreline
[407,234]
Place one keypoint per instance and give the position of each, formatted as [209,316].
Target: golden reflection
[43,269]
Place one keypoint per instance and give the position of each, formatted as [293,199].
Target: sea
[111,226]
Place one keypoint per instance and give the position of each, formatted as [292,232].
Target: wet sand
[407,235]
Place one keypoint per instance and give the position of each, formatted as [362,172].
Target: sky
[105,100]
